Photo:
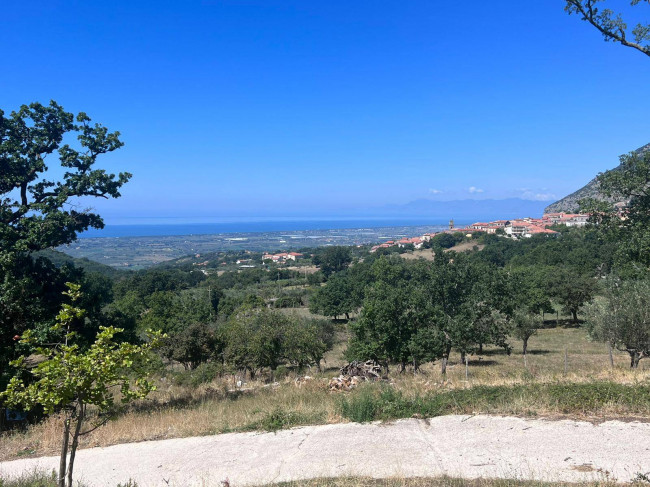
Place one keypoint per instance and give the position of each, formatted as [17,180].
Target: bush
[203,374]
[279,419]
[33,479]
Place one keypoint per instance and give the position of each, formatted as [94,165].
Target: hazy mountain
[590,190]
[465,210]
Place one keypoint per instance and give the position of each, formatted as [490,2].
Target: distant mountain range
[466,210]
[571,203]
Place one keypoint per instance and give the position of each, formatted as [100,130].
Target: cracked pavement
[459,446]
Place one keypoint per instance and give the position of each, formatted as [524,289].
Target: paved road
[465,446]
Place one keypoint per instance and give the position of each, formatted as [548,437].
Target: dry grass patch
[496,383]
[435,482]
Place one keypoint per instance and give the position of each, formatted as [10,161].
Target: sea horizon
[151,228]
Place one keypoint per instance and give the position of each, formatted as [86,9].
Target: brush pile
[354,373]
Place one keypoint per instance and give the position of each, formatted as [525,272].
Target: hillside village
[518,228]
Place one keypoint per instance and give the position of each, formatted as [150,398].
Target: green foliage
[611,25]
[193,345]
[340,296]
[202,374]
[382,402]
[30,297]
[280,419]
[525,326]
[418,311]
[70,378]
[572,290]
[622,317]
[34,479]
[34,214]
[446,240]
[332,259]
[629,230]
[260,338]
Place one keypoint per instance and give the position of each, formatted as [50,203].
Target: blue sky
[269,107]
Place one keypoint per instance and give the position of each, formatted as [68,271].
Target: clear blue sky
[242,107]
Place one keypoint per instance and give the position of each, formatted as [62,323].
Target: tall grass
[384,402]
[198,404]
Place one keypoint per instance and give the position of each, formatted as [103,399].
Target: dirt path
[464,446]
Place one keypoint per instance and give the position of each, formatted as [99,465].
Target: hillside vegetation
[571,203]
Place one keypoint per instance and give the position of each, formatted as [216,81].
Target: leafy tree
[629,229]
[306,341]
[444,240]
[333,259]
[260,338]
[611,25]
[389,326]
[531,289]
[526,325]
[420,311]
[336,298]
[39,211]
[71,379]
[193,345]
[572,290]
[621,318]
[35,211]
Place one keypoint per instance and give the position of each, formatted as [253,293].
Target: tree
[36,212]
[572,290]
[621,318]
[333,259]
[337,297]
[629,228]
[420,311]
[193,345]
[71,379]
[526,325]
[611,25]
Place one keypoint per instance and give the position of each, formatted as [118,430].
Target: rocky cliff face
[571,204]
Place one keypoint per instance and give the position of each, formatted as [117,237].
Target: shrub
[203,374]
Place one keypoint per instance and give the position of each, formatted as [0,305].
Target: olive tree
[621,318]
[525,326]
[71,379]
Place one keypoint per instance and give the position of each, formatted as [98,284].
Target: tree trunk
[466,367]
[445,359]
[462,357]
[634,359]
[575,316]
[525,340]
[347,316]
[64,452]
[611,355]
[75,442]
[480,348]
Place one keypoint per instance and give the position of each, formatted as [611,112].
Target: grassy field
[566,376]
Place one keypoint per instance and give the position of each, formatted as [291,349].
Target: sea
[253,226]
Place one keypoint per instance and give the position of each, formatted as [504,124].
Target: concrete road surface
[462,446]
